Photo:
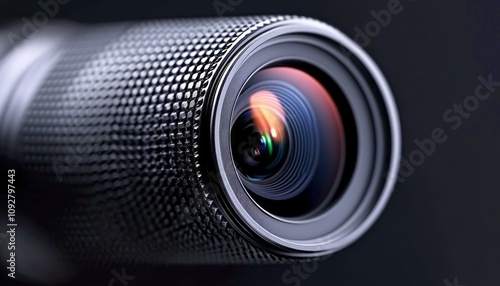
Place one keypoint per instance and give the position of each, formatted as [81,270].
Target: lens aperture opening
[288,140]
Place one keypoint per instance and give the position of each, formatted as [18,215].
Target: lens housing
[279,217]
[156,104]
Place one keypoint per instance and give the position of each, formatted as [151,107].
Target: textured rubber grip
[110,145]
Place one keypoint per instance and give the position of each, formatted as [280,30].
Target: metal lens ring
[336,134]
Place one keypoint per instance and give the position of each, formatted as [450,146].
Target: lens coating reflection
[287,141]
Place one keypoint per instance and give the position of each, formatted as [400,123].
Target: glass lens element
[287,141]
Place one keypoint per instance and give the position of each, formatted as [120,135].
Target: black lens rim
[317,236]
[306,49]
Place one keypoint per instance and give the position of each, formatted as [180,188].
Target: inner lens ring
[302,185]
[298,162]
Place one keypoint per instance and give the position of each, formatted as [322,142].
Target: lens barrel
[228,140]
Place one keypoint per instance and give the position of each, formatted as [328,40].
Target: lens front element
[287,141]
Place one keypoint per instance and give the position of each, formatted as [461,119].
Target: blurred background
[442,225]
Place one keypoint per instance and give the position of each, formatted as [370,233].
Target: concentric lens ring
[372,140]
[291,100]
[288,181]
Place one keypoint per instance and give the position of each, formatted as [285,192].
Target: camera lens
[305,138]
[287,140]
[243,139]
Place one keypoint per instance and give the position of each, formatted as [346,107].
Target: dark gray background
[444,220]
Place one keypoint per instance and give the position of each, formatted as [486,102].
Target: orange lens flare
[268,114]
